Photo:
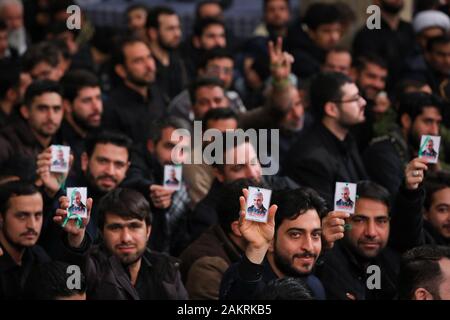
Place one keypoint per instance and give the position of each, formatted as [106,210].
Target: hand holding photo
[60,158]
[429,148]
[258,204]
[345,197]
[77,198]
[172,177]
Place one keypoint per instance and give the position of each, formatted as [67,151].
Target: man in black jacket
[328,153]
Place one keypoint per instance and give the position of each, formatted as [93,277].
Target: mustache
[306,254]
[107,176]
[29,233]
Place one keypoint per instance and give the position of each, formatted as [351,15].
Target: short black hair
[266,2]
[203,82]
[48,281]
[414,103]
[434,182]
[229,208]
[419,267]
[157,127]
[202,24]
[104,39]
[155,12]
[293,203]
[219,114]
[287,288]
[361,62]
[319,14]
[45,51]
[326,87]
[14,189]
[9,77]
[20,166]
[371,190]
[118,56]
[202,3]
[77,79]
[435,41]
[126,203]
[39,87]
[214,53]
[107,137]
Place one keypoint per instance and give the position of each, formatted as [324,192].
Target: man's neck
[142,90]
[134,271]
[160,54]
[393,20]
[71,121]
[15,254]
[337,130]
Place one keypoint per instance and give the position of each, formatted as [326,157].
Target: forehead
[242,153]
[339,56]
[112,218]
[111,151]
[134,49]
[28,203]
[88,91]
[272,4]
[374,68]
[349,89]
[370,208]
[441,196]
[221,61]
[49,98]
[431,112]
[208,91]
[309,220]
[214,29]
[441,47]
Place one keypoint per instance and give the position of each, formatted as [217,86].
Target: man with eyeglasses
[344,270]
[328,153]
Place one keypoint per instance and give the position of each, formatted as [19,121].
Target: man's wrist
[256,254]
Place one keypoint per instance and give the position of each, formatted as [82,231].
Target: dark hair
[118,56]
[413,104]
[434,182]
[20,166]
[407,83]
[14,189]
[126,203]
[229,208]
[105,137]
[155,12]
[48,281]
[293,203]
[319,14]
[361,62]
[371,190]
[39,87]
[59,27]
[104,39]
[287,288]
[45,51]
[75,80]
[435,41]
[420,268]
[136,6]
[3,26]
[326,87]
[215,53]
[202,3]
[219,114]
[9,77]
[202,24]
[203,82]
[266,2]
[157,127]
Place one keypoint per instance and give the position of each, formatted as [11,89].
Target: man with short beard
[137,101]
[122,267]
[386,158]
[164,35]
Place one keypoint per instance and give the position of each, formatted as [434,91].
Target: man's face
[245,164]
[13,16]
[45,114]
[438,215]
[137,19]
[327,36]
[258,201]
[213,36]
[338,62]
[78,198]
[372,80]
[351,110]
[139,64]
[277,13]
[222,124]
[173,174]
[207,98]
[221,68]
[87,107]
[164,148]
[125,238]
[346,194]
[22,222]
[297,244]
[169,32]
[294,119]
[430,144]
[370,228]
[44,71]
[107,166]
[429,33]
[427,123]
[439,58]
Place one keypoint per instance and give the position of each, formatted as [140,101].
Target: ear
[150,146]
[354,74]
[406,122]
[120,71]
[422,294]
[84,162]
[67,106]
[12,94]
[25,112]
[196,42]
[271,245]
[235,229]
[219,175]
[149,231]
[331,109]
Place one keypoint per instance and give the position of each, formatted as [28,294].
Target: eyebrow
[303,230]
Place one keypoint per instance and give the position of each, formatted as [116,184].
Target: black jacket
[318,160]
[341,272]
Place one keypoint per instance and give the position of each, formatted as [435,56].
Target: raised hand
[414,173]
[161,197]
[280,62]
[258,235]
[333,227]
[74,232]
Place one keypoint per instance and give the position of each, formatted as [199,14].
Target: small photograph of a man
[78,197]
[258,204]
[429,148]
[344,198]
[60,158]
[172,176]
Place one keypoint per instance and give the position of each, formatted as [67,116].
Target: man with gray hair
[11,11]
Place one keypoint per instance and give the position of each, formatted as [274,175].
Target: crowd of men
[118,97]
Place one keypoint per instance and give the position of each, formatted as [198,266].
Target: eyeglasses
[355,99]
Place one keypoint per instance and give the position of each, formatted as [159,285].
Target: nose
[252,172]
[125,236]
[32,223]
[110,169]
[370,230]
[435,129]
[307,244]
